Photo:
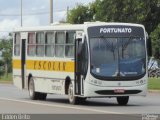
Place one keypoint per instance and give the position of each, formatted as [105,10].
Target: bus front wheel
[72,99]
[123,100]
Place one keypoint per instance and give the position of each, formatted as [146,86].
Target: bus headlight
[141,82]
[96,82]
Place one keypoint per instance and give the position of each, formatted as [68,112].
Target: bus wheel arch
[32,93]
[31,88]
[67,82]
[29,78]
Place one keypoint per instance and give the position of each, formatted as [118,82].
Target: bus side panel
[50,82]
[19,55]
[16,60]
[17,80]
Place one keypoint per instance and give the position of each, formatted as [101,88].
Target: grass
[154,83]
[6,79]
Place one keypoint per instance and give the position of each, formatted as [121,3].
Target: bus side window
[40,40]
[59,44]
[69,47]
[17,44]
[50,44]
[31,49]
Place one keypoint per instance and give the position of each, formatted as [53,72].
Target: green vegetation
[6,79]
[6,51]
[155,36]
[146,12]
[79,15]
[6,58]
[154,84]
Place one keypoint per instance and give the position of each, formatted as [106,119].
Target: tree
[155,36]
[122,10]
[79,15]
[153,17]
[1,68]
[146,12]
[6,48]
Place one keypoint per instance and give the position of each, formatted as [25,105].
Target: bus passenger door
[77,70]
[78,67]
[23,58]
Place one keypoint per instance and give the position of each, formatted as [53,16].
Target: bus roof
[67,26]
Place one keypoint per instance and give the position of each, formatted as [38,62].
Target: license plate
[119,91]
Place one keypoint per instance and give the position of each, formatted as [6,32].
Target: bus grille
[112,92]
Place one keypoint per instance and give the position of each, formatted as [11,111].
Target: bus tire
[72,99]
[82,100]
[32,94]
[123,100]
[42,96]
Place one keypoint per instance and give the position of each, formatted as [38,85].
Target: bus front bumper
[99,91]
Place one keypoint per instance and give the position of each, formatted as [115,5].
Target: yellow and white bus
[82,61]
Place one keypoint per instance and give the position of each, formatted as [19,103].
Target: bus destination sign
[115,31]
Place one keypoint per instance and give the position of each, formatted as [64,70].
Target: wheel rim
[70,93]
[31,89]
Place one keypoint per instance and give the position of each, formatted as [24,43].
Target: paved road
[13,100]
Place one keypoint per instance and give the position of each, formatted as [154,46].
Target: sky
[35,12]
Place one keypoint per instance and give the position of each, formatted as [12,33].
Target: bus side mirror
[149,45]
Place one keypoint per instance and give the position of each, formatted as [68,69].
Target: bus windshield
[118,57]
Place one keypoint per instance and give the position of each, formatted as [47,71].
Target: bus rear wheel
[33,94]
[123,100]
